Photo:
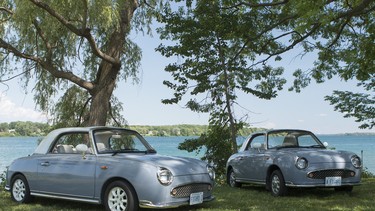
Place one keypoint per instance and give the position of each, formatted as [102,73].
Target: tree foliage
[225,47]
[357,105]
[80,48]
[215,65]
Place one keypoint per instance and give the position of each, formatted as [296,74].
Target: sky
[142,102]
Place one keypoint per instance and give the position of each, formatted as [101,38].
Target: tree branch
[84,32]
[6,10]
[48,66]
[358,10]
[291,46]
[257,5]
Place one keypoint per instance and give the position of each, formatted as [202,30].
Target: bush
[2,180]
[366,173]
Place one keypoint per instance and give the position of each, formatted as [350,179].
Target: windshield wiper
[316,146]
[289,146]
[150,151]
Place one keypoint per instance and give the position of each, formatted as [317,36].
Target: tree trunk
[106,77]
[232,123]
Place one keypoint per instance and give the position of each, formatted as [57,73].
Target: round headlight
[165,176]
[301,163]
[211,172]
[356,161]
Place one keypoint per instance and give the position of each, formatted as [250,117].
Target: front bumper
[290,184]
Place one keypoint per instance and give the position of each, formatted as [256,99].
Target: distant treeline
[20,128]
[28,128]
[180,130]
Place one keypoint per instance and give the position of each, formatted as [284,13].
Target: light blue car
[115,167]
[280,159]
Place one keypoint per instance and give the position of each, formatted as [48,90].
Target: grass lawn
[236,199]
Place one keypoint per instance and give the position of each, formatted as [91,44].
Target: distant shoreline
[146,135]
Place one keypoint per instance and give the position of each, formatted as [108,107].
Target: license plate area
[333,181]
[196,198]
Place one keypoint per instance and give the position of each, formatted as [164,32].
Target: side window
[66,143]
[256,142]
[306,141]
[275,140]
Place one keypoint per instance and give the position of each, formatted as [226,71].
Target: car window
[292,139]
[275,140]
[306,141]
[118,141]
[66,143]
[257,140]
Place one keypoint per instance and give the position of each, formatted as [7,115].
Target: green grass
[248,197]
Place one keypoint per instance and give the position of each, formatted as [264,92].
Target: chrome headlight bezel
[356,161]
[301,163]
[211,172]
[165,176]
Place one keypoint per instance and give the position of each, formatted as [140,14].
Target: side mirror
[257,145]
[82,148]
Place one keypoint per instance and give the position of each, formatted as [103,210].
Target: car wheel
[120,196]
[344,188]
[278,187]
[20,190]
[231,179]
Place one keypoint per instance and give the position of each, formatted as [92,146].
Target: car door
[64,171]
[254,160]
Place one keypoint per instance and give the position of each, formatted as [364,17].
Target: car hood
[178,165]
[323,155]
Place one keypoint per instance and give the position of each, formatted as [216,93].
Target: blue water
[15,147]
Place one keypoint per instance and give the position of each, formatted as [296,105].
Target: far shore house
[11,130]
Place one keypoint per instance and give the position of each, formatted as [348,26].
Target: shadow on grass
[248,197]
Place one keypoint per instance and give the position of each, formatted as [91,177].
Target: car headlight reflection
[211,172]
[165,176]
[301,163]
[356,161]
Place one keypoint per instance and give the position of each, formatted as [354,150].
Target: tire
[120,196]
[344,188]
[20,191]
[277,185]
[231,179]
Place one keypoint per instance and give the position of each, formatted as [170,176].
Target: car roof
[280,130]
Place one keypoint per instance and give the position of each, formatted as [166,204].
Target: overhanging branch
[84,32]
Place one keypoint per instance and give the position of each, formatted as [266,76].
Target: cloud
[10,112]
[323,115]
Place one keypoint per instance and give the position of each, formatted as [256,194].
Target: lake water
[364,145]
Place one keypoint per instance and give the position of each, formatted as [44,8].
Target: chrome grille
[331,173]
[186,190]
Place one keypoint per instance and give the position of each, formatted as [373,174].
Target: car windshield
[293,139]
[120,141]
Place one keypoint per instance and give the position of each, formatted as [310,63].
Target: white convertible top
[45,144]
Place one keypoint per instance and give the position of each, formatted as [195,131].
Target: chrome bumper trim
[321,185]
[148,204]
[65,197]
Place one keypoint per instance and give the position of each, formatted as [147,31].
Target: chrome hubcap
[19,190]
[117,199]
[275,184]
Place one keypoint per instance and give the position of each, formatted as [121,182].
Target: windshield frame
[108,133]
[295,134]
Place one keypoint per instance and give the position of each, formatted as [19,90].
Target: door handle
[44,164]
